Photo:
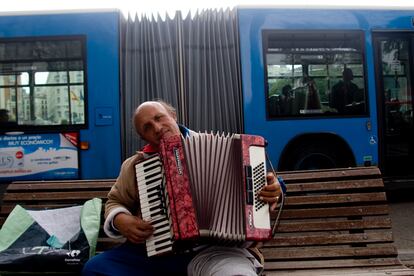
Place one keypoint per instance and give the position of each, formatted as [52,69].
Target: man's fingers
[134,239]
[271,194]
[143,233]
[143,228]
[139,230]
[273,206]
[271,191]
[271,179]
[144,225]
[139,235]
[270,199]
[272,187]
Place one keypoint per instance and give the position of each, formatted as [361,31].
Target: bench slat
[21,187]
[335,199]
[7,208]
[334,212]
[54,196]
[324,239]
[321,252]
[355,184]
[330,225]
[58,182]
[291,265]
[322,175]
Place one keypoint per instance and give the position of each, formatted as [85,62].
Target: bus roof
[46,12]
[325,7]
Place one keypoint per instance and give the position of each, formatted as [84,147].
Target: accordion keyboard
[151,188]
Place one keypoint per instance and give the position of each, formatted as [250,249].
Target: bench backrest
[332,218]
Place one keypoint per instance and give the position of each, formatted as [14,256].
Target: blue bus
[330,88]
[326,87]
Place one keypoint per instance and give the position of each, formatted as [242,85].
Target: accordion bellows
[205,187]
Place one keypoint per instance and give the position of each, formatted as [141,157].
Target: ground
[402,216]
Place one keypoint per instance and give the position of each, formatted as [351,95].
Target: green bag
[49,240]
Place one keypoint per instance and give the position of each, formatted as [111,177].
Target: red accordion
[204,187]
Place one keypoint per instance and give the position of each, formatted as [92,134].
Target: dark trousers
[129,259]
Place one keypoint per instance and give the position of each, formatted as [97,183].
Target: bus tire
[318,156]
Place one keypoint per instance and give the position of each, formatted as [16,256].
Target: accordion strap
[282,200]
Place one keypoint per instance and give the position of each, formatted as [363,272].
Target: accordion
[204,188]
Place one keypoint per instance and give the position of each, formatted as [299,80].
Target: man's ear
[174,115]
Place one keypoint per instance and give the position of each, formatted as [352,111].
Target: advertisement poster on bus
[39,156]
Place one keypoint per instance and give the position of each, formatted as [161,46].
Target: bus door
[394,80]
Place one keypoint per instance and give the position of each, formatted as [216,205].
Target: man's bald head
[167,107]
[154,120]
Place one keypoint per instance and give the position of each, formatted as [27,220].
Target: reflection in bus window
[346,97]
[311,65]
[42,81]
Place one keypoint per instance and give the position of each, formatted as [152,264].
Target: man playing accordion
[153,121]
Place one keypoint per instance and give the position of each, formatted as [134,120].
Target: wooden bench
[334,221]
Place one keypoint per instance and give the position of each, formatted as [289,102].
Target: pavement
[401,204]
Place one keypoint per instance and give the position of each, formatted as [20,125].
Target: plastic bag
[61,239]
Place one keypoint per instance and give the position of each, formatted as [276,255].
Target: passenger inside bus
[306,98]
[4,116]
[273,105]
[281,104]
[286,100]
[313,102]
[346,97]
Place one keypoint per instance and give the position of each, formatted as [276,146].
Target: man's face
[153,121]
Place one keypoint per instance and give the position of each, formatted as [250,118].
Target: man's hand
[133,228]
[271,192]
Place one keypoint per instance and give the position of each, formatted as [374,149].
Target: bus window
[42,82]
[314,73]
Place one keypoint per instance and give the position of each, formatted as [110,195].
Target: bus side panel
[360,133]
[103,158]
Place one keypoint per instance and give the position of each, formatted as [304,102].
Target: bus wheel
[316,156]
